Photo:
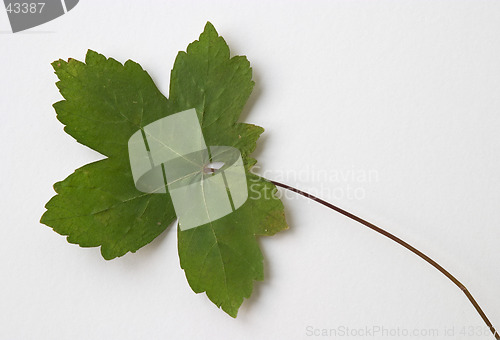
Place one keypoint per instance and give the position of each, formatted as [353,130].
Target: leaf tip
[92,57]
[58,64]
[106,254]
[209,33]
[232,314]
[209,28]
[43,218]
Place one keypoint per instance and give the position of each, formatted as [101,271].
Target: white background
[409,90]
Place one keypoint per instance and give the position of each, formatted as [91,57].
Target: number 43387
[25,7]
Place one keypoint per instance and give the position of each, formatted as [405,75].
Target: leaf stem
[402,243]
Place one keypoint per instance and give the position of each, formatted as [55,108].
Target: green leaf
[106,102]
[223,257]
[98,205]
[206,78]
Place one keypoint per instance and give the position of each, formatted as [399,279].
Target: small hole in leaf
[212,167]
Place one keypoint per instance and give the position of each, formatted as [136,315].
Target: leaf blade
[223,258]
[106,102]
[227,258]
[98,205]
[206,78]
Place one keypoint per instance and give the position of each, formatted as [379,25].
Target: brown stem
[404,244]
